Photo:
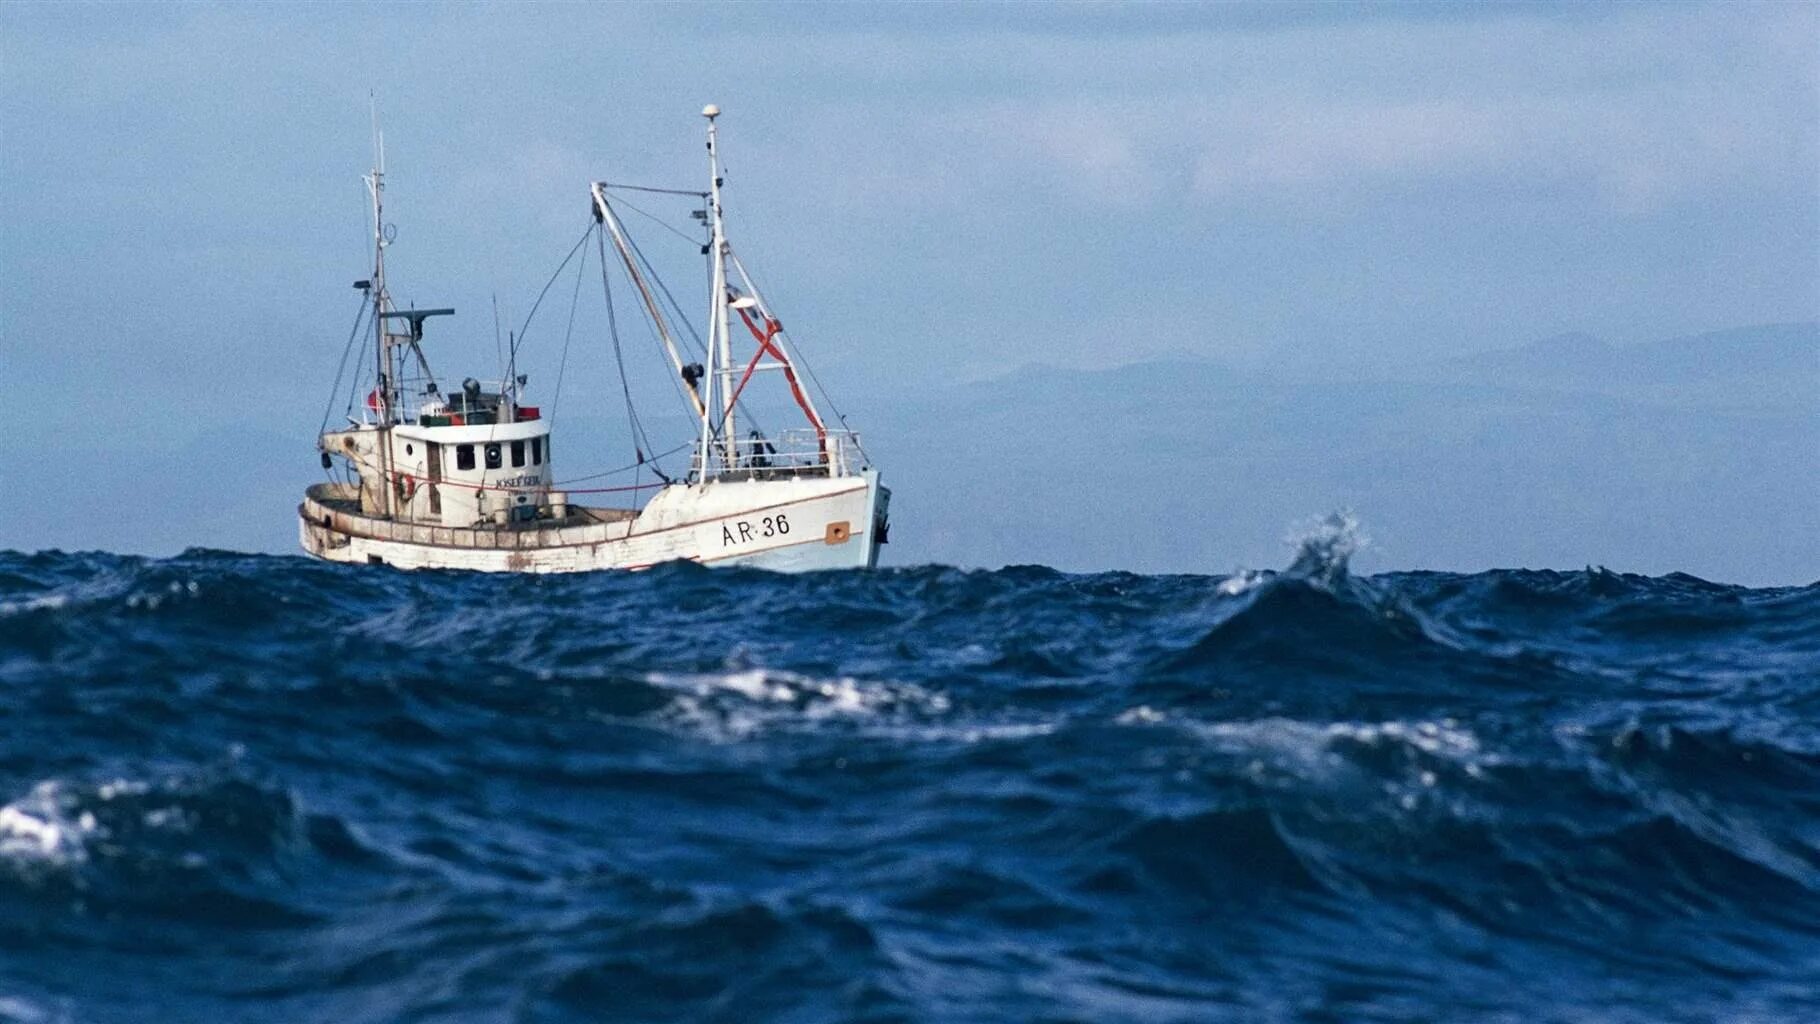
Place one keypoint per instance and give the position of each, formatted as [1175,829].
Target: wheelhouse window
[536,451]
[464,456]
[495,458]
[518,454]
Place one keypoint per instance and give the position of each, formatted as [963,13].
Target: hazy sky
[931,191]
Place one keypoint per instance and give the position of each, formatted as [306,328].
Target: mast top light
[710,111]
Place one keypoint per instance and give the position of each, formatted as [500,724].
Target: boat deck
[335,509]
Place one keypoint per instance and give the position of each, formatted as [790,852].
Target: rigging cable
[700,346]
[562,365]
[640,443]
[629,267]
[660,222]
[651,273]
[335,388]
[803,358]
[360,357]
[675,307]
[519,340]
[661,191]
[621,469]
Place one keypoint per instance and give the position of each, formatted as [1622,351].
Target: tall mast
[383,341]
[720,329]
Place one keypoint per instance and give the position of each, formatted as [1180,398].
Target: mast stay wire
[358,377]
[683,318]
[651,461]
[803,357]
[335,388]
[562,365]
[676,309]
[662,191]
[519,340]
[641,444]
[651,328]
[659,221]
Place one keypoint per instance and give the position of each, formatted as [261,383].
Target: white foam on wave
[174,589]
[102,591]
[1242,582]
[737,705]
[733,705]
[1316,747]
[43,602]
[1325,545]
[964,733]
[55,825]
[1143,714]
[44,827]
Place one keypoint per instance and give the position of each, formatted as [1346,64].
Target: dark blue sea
[240,788]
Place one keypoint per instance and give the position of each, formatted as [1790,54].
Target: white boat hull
[795,524]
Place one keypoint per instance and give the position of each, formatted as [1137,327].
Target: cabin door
[435,453]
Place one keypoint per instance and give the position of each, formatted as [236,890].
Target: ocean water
[238,788]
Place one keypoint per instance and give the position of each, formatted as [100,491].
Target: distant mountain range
[1699,454]
[1749,366]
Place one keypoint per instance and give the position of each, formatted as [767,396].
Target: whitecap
[735,704]
[41,827]
[43,602]
[1243,581]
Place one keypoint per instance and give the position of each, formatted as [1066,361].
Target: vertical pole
[720,324]
[383,346]
[716,292]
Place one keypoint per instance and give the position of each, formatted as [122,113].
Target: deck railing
[791,453]
[415,401]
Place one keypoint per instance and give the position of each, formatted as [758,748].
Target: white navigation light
[710,111]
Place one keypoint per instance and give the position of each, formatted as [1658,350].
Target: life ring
[406,485]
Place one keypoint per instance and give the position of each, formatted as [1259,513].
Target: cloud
[1633,111]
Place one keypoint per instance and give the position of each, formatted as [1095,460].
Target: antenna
[378,136]
[499,351]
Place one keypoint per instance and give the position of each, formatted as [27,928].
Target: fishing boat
[431,474]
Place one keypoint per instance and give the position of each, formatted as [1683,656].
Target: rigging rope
[716,427]
[803,358]
[653,318]
[621,469]
[663,191]
[660,222]
[354,382]
[562,366]
[335,388]
[700,346]
[546,289]
[675,307]
[640,443]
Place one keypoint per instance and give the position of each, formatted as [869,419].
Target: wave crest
[200,842]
